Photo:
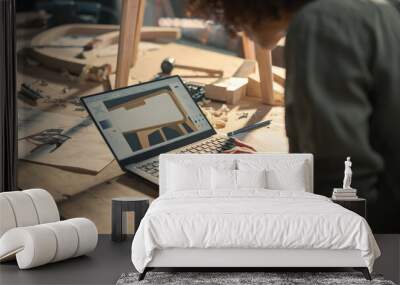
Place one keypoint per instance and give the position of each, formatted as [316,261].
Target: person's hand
[240,147]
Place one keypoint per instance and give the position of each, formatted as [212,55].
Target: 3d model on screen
[127,115]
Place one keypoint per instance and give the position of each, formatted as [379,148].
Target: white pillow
[292,180]
[251,178]
[185,174]
[281,174]
[223,179]
[182,177]
[227,179]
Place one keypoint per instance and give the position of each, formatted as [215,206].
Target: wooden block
[160,34]
[253,86]
[248,67]
[279,76]
[126,52]
[263,58]
[229,90]
[216,91]
[254,89]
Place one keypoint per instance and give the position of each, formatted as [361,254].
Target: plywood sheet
[61,183]
[148,65]
[61,140]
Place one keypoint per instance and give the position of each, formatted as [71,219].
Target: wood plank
[263,57]
[129,18]
[160,34]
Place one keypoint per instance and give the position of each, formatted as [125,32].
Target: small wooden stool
[120,206]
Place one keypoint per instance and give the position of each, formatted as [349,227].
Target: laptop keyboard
[213,145]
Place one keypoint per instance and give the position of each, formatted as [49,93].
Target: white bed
[202,226]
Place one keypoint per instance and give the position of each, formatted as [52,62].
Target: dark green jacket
[343,99]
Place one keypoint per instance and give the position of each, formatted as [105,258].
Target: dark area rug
[243,278]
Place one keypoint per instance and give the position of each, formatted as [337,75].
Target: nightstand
[120,208]
[357,205]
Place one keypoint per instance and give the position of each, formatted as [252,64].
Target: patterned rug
[243,278]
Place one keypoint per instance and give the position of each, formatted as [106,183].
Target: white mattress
[251,219]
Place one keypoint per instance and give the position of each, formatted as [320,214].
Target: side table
[120,206]
[357,205]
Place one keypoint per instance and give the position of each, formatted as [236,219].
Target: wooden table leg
[248,47]
[264,59]
[128,39]
[139,23]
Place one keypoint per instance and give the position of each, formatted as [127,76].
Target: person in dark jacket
[342,95]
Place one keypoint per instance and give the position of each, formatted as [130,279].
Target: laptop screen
[145,117]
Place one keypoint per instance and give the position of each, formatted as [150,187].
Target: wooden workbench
[88,195]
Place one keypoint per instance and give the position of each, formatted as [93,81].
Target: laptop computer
[141,121]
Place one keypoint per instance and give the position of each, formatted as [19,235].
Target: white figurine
[347,174]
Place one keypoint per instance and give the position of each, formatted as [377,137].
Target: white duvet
[250,218]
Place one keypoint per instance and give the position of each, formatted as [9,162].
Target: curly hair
[237,14]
